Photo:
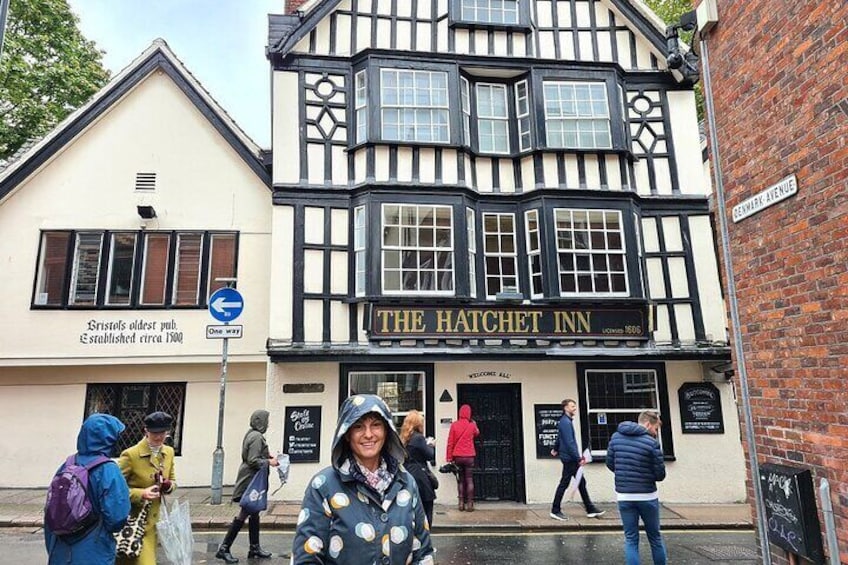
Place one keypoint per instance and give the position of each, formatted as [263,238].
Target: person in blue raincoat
[364,508]
[109,495]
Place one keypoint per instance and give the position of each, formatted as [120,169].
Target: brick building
[780,90]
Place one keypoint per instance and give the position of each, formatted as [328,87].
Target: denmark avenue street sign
[769,197]
[226,304]
[223,332]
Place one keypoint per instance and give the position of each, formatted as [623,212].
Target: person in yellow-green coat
[148,467]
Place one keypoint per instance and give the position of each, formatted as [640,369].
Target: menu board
[700,409]
[547,420]
[791,514]
[302,434]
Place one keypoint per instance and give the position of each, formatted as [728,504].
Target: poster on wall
[547,419]
[302,434]
[700,409]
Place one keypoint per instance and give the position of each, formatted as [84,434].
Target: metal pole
[218,455]
[829,522]
[734,309]
[4,12]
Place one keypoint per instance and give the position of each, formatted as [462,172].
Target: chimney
[293,5]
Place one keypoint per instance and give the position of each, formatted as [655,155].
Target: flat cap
[158,422]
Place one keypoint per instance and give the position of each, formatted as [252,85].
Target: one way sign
[226,304]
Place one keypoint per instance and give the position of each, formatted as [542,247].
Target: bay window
[417,249]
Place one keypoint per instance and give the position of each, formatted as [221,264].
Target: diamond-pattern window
[131,402]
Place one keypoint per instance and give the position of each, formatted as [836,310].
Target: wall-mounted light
[686,63]
[146,212]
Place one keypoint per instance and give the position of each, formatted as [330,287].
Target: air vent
[145,181]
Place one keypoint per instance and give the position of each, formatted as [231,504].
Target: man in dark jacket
[635,456]
[571,458]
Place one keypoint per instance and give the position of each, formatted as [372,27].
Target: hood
[465,412]
[632,429]
[259,420]
[352,410]
[99,434]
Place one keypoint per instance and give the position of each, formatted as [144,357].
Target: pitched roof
[158,56]
[645,20]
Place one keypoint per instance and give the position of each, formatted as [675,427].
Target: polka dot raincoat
[343,520]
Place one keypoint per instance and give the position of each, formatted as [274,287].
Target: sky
[221,42]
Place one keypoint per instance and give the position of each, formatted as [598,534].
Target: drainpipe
[734,307]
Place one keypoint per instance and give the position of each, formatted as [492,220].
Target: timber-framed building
[500,203]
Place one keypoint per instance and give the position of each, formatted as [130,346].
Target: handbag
[434,480]
[131,537]
[255,497]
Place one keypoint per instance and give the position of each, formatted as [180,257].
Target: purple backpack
[68,509]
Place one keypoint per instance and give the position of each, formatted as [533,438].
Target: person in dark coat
[420,451]
[635,456]
[255,458]
[365,508]
[461,450]
[571,459]
[108,493]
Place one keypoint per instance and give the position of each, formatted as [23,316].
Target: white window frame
[583,112]
[483,11]
[73,298]
[471,232]
[361,106]
[465,99]
[401,248]
[359,238]
[522,113]
[418,108]
[593,411]
[111,267]
[533,241]
[487,118]
[499,254]
[591,251]
[398,414]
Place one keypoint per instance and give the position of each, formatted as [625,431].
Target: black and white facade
[500,203]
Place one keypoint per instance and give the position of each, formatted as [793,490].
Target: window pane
[157,248]
[121,265]
[86,269]
[490,11]
[418,255]
[501,259]
[577,115]
[414,106]
[589,249]
[187,269]
[52,268]
[402,392]
[222,259]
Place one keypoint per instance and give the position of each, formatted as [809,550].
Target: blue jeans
[649,511]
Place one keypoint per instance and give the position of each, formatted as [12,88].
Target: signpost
[225,305]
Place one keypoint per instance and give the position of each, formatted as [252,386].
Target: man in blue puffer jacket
[635,456]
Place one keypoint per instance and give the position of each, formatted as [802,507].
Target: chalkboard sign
[700,409]
[302,437]
[547,418]
[791,516]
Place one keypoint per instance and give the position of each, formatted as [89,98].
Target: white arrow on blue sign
[226,304]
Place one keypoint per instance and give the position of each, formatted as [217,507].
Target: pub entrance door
[499,468]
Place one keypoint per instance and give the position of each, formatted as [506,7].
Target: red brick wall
[779,68]
[292,5]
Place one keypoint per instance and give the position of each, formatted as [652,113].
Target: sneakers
[559,516]
[595,512]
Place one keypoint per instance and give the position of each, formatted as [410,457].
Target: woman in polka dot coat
[365,508]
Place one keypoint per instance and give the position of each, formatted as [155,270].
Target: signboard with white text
[769,197]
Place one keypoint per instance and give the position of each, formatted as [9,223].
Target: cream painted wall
[48,403]
[709,468]
[687,142]
[201,184]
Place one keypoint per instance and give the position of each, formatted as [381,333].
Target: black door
[499,468]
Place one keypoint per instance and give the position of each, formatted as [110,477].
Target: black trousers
[569,470]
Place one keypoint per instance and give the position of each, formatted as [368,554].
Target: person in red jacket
[461,451]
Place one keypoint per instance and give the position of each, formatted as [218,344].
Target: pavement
[24,508]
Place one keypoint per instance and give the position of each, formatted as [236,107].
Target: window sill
[489,26]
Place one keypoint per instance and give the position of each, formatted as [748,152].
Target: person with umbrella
[148,467]
[255,458]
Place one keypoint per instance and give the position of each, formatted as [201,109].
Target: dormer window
[489,11]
